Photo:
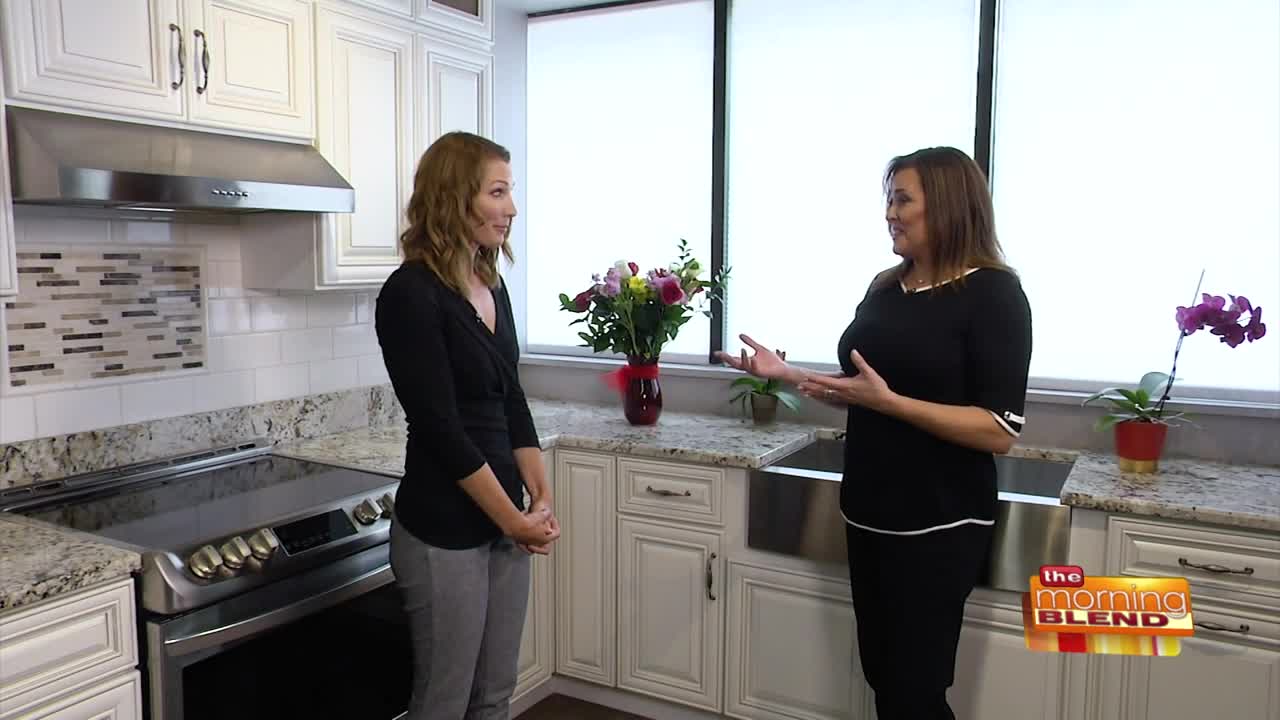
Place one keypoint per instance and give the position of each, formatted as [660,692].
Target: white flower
[624,271]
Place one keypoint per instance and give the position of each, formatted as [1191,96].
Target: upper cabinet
[472,18]
[457,87]
[8,261]
[236,64]
[252,65]
[123,56]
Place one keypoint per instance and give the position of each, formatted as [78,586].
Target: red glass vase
[642,396]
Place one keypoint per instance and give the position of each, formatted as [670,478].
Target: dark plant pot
[764,408]
[1139,445]
[642,399]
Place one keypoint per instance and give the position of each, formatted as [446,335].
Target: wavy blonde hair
[440,212]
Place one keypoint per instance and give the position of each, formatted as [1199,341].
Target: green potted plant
[763,397]
[1138,418]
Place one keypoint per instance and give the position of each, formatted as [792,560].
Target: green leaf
[753,383]
[1100,394]
[1107,421]
[586,337]
[1153,383]
[789,400]
[1143,398]
[1131,396]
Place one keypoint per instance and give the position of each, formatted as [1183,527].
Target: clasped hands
[866,388]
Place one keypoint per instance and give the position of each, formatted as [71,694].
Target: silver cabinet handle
[204,61]
[667,493]
[1223,628]
[1210,567]
[710,578]
[182,57]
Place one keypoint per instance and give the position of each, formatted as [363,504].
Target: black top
[462,399]
[967,342]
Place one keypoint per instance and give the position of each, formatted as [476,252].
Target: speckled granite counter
[703,439]
[39,561]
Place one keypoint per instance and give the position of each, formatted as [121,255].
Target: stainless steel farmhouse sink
[794,509]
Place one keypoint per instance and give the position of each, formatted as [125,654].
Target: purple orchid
[1223,319]
[612,283]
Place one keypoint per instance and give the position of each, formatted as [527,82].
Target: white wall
[509,60]
[263,345]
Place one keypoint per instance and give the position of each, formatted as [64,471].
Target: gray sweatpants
[466,612]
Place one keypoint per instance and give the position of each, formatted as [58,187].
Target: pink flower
[635,269]
[612,283]
[669,289]
[582,300]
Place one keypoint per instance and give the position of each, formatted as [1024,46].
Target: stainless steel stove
[261,575]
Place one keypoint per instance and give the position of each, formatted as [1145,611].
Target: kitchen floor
[559,707]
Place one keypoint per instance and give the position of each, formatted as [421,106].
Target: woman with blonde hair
[934,377]
[461,536]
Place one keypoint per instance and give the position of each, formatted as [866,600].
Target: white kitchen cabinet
[996,676]
[472,19]
[402,8]
[106,55]
[71,657]
[790,647]
[260,60]
[537,657]
[8,257]
[457,90]
[670,612]
[585,567]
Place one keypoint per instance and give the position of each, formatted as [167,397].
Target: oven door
[332,642]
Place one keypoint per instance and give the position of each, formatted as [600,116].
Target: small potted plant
[763,397]
[1139,418]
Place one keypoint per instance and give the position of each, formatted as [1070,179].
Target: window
[822,94]
[619,154]
[1134,144]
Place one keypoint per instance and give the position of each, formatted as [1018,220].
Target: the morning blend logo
[1065,611]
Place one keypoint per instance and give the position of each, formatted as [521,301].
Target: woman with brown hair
[934,377]
[460,537]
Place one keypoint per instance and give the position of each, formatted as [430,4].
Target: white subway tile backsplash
[224,390]
[331,309]
[157,399]
[282,381]
[17,419]
[279,313]
[355,340]
[242,352]
[331,375]
[373,371]
[72,411]
[230,316]
[225,276]
[364,308]
[306,345]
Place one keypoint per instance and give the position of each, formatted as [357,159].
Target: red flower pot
[1139,445]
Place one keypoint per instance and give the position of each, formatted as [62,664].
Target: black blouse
[963,343]
[461,394]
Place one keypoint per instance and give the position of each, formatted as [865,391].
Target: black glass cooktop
[181,511]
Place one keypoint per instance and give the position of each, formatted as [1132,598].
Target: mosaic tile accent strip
[87,313]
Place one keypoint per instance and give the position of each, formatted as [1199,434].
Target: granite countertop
[684,437]
[39,561]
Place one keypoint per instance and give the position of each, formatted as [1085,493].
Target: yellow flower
[638,287]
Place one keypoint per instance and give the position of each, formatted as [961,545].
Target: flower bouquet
[1138,417]
[634,315]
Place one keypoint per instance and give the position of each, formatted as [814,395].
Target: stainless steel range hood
[72,160]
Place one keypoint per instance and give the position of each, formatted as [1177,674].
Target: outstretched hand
[764,363]
[866,388]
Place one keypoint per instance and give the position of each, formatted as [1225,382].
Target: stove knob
[367,512]
[263,544]
[234,552]
[387,502]
[205,562]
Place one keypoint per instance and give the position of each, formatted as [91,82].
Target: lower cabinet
[119,698]
[585,567]
[670,612]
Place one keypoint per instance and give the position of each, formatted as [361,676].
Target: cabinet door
[586,583]
[365,126]
[1218,674]
[8,259]
[457,90]
[670,611]
[259,75]
[997,677]
[790,647]
[119,698]
[471,18]
[536,654]
[115,56]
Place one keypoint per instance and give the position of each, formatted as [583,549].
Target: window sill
[1041,395]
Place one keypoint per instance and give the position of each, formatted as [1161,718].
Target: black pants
[908,595]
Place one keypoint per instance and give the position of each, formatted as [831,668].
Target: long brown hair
[958,213]
[440,212]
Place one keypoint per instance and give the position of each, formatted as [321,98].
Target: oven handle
[217,631]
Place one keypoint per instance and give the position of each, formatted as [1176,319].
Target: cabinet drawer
[668,490]
[119,698]
[53,646]
[1223,565]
